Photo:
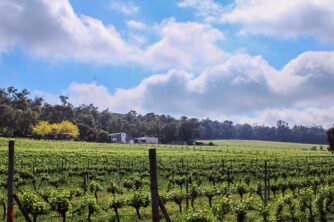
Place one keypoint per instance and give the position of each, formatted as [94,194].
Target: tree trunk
[63,215]
[89,215]
[311,219]
[34,185]
[241,217]
[192,203]
[138,213]
[180,207]
[117,216]
[323,217]
[4,210]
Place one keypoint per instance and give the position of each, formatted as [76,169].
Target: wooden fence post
[265,183]
[187,192]
[228,177]
[154,185]
[10,181]
[268,183]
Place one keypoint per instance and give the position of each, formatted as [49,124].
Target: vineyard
[235,181]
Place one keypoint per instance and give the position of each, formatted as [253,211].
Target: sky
[254,61]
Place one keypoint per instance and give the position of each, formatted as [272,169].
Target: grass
[48,153]
[263,144]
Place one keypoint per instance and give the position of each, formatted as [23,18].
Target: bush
[34,205]
[221,209]
[197,216]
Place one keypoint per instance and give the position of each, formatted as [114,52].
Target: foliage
[90,206]
[242,207]
[137,201]
[302,180]
[60,201]
[95,187]
[44,128]
[34,205]
[3,203]
[67,127]
[19,113]
[197,216]
[221,209]
[116,203]
[330,139]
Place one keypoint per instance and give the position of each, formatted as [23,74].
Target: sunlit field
[224,182]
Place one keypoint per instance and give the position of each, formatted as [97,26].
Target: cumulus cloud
[52,30]
[202,80]
[284,18]
[308,116]
[242,88]
[315,71]
[99,95]
[185,45]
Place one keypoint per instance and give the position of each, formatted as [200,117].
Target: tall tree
[330,138]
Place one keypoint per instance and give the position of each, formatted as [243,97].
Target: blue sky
[248,61]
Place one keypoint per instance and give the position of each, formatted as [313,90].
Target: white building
[146,140]
[120,138]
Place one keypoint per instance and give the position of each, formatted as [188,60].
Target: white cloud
[137,39]
[133,24]
[127,8]
[242,88]
[284,18]
[92,93]
[51,30]
[208,10]
[281,19]
[309,116]
[87,93]
[185,45]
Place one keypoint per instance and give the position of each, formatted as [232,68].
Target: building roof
[114,134]
[146,137]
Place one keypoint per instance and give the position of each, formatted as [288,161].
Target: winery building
[120,138]
[146,140]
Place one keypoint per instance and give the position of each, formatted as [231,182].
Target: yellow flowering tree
[43,128]
[68,127]
[55,128]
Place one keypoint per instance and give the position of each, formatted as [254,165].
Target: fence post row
[10,181]
[266,183]
[10,186]
[156,199]
[154,185]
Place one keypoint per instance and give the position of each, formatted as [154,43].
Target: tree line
[281,132]
[19,113]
